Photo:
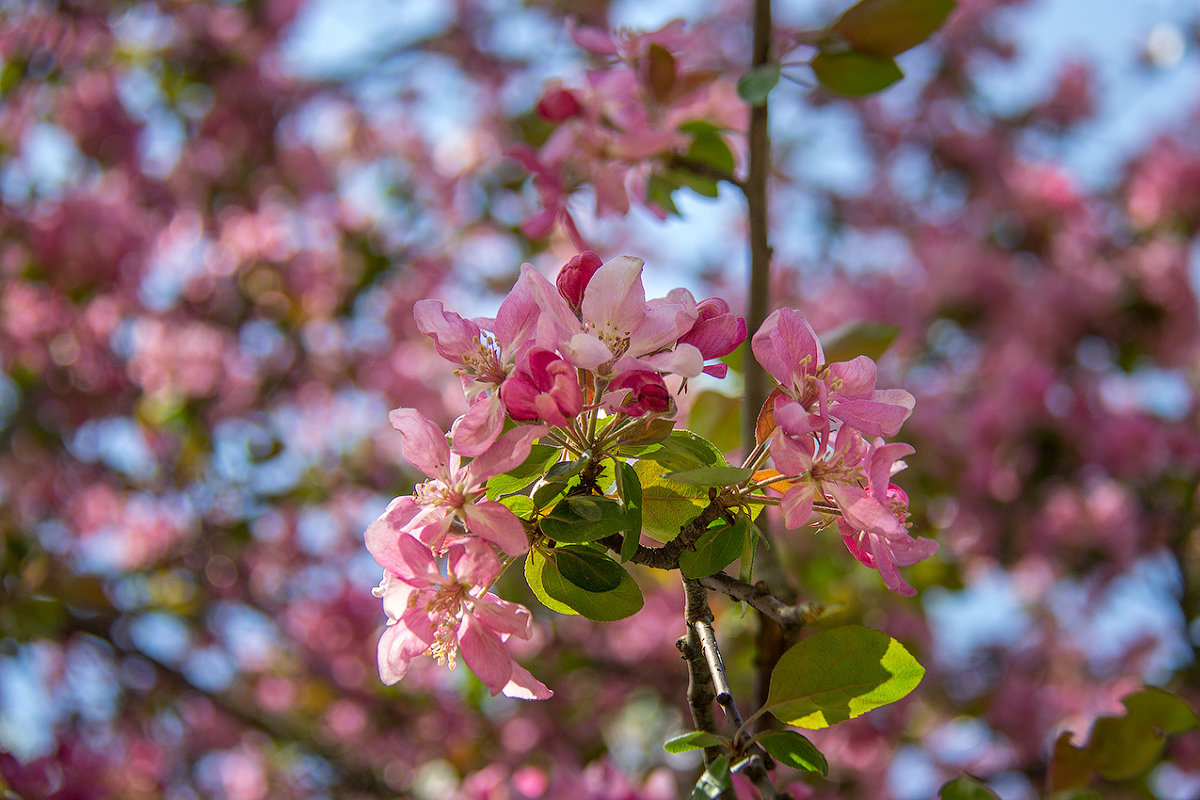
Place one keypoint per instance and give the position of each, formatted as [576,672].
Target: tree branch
[667,556]
[700,693]
[789,617]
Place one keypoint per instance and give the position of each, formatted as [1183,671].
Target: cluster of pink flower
[822,413]
[582,365]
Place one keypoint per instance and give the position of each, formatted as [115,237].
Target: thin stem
[759,146]
[789,617]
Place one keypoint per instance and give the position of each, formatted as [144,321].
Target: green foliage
[682,450]
[559,593]
[584,518]
[711,476]
[855,74]
[630,490]
[587,568]
[718,418]
[858,339]
[519,478]
[886,28]
[755,86]
[713,782]
[964,787]
[667,505]
[716,549]
[692,740]
[1122,747]
[792,749]
[840,674]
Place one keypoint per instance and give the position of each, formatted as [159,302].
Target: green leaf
[756,85]
[519,504]
[658,192]
[858,339]
[700,184]
[559,594]
[584,518]
[749,548]
[886,28]
[709,147]
[855,74]
[794,750]
[547,493]
[712,476]
[715,550]
[718,418]
[630,489]
[1122,747]
[566,469]
[666,504]
[692,740]
[713,782]
[516,479]
[587,568]
[840,674]
[964,787]
[683,450]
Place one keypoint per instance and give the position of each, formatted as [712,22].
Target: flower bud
[647,393]
[574,276]
[558,104]
[546,388]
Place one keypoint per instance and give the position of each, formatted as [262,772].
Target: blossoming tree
[218,267]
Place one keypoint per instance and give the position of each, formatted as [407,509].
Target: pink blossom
[815,393]
[717,332]
[558,104]
[545,387]
[873,521]
[443,615]
[453,495]
[638,392]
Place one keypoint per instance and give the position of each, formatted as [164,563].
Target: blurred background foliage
[215,218]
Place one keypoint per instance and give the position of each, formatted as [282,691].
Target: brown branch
[755,189]
[667,556]
[789,617]
[700,693]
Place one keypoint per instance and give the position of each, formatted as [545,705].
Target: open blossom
[444,615]
[717,332]
[617,329]
[455,490]
[813,393]
[872,522]
[485,352]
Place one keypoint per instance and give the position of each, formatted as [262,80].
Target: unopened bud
[574,276]
[558,104]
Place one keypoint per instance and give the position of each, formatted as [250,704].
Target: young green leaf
[840,674]
[715,550]
[756,85]
[855,74]
[964,787]
[516,479]
[583,518]
[714,781]
[587,568]
[792,749]
[666,504]
[886,28]
[683,450]
[712,476]
[630,489]
[692,740]
[559,594]
[709,147]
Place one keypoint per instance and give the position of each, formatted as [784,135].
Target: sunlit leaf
[561,595]
[692,740]
[792,749]
[886,28]
[755,86]
[713,782]
[840,674]
[716,549]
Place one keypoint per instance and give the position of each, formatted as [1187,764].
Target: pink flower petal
[523,686]
[453,336]
[493,522]
[401,643]
[783,343]
[424,443]
[475,431]
[484,653]
[506,453]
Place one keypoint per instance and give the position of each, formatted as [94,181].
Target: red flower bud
[647,393]
[558,104]
[574,276]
